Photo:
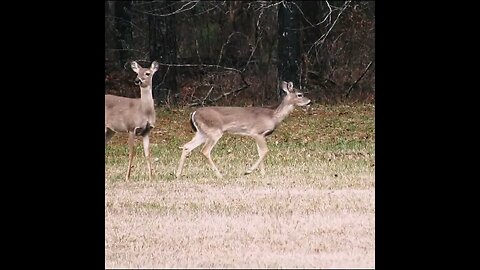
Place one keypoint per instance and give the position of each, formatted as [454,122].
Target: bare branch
[125,21]
[243,87]
[180,10]
[229,93]
[223,46]
[328,16]
[303,14]
[200,65]
[198,53]
[204,101]
[258,20]
[130,50]
[253,51]
[361,76]
[208,94]
[164,76]
[212,8]
[262,6]
[228,41]
[322,39]
[329,13]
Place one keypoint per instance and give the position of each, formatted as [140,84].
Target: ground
[314,208]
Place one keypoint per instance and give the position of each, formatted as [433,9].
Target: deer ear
[285,86]
[135,66]
[154,66]
[290,86]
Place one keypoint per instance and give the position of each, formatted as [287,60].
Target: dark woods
[237,52]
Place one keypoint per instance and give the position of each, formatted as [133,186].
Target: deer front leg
[262,152]
[262,163]
[131,153]
[207,148]
[146,150]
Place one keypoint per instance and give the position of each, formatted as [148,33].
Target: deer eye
[147,74]
[299,95]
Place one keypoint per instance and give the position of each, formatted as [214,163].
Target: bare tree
[123,25]
[236,52]
[289,43]
[163,48]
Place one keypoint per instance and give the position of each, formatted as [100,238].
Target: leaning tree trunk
[289,62]
[123,24]
[163,48]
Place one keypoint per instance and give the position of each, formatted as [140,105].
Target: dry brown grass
[315,208]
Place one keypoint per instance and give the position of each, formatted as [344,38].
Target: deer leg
[207,149]
[262,163]
[262,168]
[197,140]
[262,152]
[108,134]
[146,150]
[131,153]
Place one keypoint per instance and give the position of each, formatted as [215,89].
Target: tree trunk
[289,61]
[163,48]
[123,24]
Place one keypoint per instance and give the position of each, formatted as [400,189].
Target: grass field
[314,208]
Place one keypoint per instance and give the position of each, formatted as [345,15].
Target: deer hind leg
[146,150]
[197,140]
[108,134]
[207,149]
[262,152]
[131,153]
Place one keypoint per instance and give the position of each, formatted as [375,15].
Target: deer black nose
[137,81]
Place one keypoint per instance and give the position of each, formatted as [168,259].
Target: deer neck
[146,97]
[282,111]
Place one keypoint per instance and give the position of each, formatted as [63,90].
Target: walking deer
[210,123]
[135,116]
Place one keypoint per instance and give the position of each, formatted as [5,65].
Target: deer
[210,123]
[135,116]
